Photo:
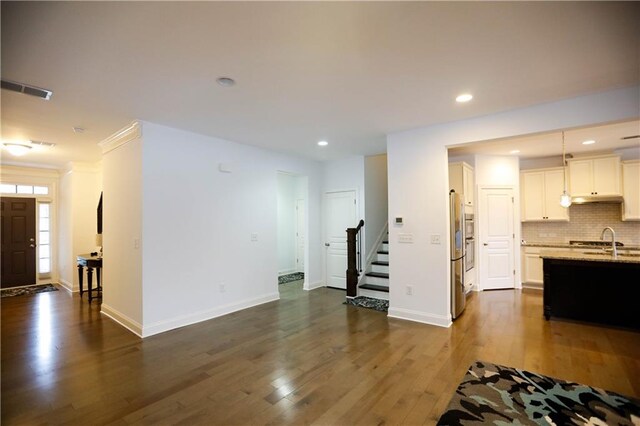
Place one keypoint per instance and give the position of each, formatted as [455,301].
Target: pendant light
[565,198]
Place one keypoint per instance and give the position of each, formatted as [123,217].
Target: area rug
[368,302]
[497,395]
[21,291]
[296,276]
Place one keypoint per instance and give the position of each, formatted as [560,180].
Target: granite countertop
[592,257]
[567,245]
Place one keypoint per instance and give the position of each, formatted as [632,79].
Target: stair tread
[385,242]
[380,262]
[375,287]
[377,274]
[383,252]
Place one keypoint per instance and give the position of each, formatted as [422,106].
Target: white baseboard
[422,317]
[183,320]
[287,272]
[313,286]
[532,286]
[67,286]
[128,323]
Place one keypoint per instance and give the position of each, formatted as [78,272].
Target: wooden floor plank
[305,359]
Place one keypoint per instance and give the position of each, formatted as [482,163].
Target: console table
[91,262]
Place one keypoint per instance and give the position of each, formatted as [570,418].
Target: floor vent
[27,90]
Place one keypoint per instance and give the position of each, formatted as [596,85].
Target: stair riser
[377,281]
[372,293]
[382,257]
[385,247]
[380,268]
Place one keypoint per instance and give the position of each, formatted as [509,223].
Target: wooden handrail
[354,258]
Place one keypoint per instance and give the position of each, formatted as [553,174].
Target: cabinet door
[606,176]
[468,185]
[631,191]
[533,268]
[580,183]
[532,196]
[553,187]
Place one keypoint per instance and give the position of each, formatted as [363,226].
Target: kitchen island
[592,287]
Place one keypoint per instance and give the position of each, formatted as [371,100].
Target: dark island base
[599,292]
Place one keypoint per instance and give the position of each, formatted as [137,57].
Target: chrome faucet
[613,240]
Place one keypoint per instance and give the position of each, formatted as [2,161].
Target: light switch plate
[254,237]
[405,238]
[435,239]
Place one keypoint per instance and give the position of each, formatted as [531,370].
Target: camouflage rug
[32,289]
[296,276]
[497,395]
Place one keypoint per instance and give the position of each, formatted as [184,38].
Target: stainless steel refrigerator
[458,297]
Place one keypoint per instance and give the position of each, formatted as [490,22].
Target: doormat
[34,289]
[296,276]
[368,302]
[494,394]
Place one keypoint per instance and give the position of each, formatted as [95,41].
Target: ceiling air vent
[630,137]
[27,90]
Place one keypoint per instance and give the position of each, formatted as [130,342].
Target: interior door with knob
[340,215]
[497,265]
[18,241]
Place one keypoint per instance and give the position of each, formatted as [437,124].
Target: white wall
[376,200]
[122,227]
[418,187]
[198,260]
[67,272]
[286,216]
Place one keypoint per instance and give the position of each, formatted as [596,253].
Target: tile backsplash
[586,223]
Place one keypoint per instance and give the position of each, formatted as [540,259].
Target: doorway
[18,241]
[341,213]
[497,238]
[291,230]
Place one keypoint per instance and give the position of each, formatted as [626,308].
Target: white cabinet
[540,192]
[532,267]
[631,190]
[594,176]
[461,180]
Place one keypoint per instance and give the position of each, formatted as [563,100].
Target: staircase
[375,282]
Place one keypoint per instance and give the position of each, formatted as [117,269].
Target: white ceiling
[341,71]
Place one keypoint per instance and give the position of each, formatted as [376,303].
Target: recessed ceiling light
[515,151]
[226,81]
[323,143]
[589,142]
[465,97]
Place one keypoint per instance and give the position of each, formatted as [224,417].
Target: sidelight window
[44,238]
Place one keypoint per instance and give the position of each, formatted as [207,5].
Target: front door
[18,241]
[497,269]
[340,214]
[300,226]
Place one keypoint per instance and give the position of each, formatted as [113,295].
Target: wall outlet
[435,239]
[409,290]
[223,288]
[254,237]
[136,243]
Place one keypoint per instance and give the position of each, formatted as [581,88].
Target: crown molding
[130,133]
[8,171]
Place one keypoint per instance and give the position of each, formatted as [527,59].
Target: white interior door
[497,266]
[340,214]
[300,237]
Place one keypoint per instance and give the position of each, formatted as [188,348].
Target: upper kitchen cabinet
[540,191]
[598,176]
[631,190]
[461,180]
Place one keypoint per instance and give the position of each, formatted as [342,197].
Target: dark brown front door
[18,241]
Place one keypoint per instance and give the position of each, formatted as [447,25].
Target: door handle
[32,245]
[32,239]
[485,244]
[327,244]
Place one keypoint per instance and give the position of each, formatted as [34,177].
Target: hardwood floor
[304,359]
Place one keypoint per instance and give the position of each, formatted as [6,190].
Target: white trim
[287,272]
[192,318]
[422,317]
[37,174]
[67,286]
[122,319]
[130,133]
[313,286]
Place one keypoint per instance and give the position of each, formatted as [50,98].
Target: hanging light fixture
[565,198]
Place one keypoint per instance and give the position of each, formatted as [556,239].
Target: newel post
[352,269]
